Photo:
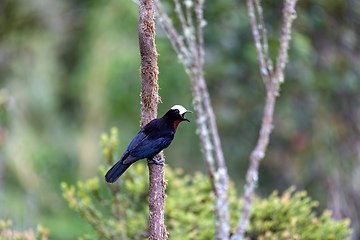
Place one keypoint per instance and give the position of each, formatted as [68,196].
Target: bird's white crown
[181,109]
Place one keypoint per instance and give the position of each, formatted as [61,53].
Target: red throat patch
[176,123]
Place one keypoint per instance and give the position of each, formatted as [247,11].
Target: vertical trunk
[150,99]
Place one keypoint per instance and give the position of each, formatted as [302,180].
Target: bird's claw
[157,162]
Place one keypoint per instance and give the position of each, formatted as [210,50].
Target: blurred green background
[69,70]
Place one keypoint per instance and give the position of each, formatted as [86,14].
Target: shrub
[121,209]
[7,233]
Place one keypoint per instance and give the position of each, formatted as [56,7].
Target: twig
[181,16]
[190,37]
[264,38]
[273,85]
[289,15]
[259,47]
[174,37]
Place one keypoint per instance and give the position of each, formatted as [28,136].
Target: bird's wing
[137,140]
[139,137]
[148,147]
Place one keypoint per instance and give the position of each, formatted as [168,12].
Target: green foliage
[292,216]
[121,209]
[6,233]
[112,209]
[189,206]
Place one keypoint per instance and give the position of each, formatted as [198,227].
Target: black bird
[149,141]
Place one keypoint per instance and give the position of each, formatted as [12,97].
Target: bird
[149,141]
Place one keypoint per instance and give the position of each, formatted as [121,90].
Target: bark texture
[150,99]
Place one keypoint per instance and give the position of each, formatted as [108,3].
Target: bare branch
[185,27]
[256,156]
[200,35]
[190,33]
[273,84]
[289,15]
[265,44]
[174,37]
[188,5]
[206,124]
[259,47]
[221,182]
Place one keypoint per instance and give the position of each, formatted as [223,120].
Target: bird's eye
[177,111]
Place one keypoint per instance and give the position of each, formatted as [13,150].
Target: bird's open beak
[183,116]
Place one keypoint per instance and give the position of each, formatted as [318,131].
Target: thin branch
[176,41]
[256,156]
[264,37]
[200,35]
[221,180]
[271,93]
[188,5]
[185,27]
[180,14]
[259,47]
[206,124]
[174,37]
[204,135]
[289,15]
[190,35]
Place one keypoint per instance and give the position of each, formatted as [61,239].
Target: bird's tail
[115,172]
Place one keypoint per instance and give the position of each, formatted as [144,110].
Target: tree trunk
[150,99]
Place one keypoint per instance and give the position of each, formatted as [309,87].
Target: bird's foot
[157,162]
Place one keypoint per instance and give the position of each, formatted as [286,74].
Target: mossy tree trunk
[150,99]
